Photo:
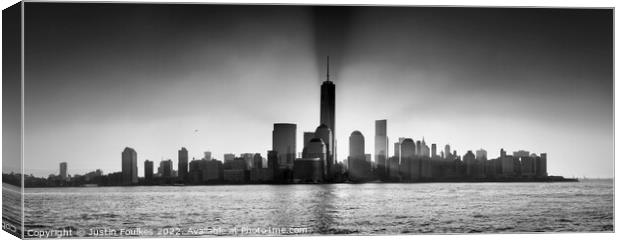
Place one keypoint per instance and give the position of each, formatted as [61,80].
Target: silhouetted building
[257,162]
[165,168]
[325,134]
[229,157]
[207,156]
[359,168]
[212,170]
[129,166]
[520,153]
[148,170]
[409,170]
[183,164]
[328,103]
[447,152]
[317,149]
[249,160]
[308,169]
[433,150]
[307,137]
[381,148]
[284,143]
[63,171]
[469,158]
[541,166]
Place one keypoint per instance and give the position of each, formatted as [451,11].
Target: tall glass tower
[328,111]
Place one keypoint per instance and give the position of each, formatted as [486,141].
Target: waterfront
[585,206]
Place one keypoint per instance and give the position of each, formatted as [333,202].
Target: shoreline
[451,180]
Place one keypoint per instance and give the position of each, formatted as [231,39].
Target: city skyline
[475,95]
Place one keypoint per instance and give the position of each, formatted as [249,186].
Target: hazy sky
[100,77]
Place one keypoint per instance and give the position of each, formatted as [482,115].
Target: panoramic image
[201,120]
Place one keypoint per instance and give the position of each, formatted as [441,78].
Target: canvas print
[211,120]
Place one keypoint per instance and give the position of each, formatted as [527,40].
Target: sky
[100,77]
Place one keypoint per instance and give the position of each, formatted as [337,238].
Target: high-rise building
[307,137]
[129,168]
[541,166]
[433,150]
[481,154]
[207,156]
[381,148]
[257,161]
[183,164]
[284,143]
[447,152]
[325,134]
[328,103]
[356,145]
[166,168]
[359,169]
[407,155]
[229,157]
[148,170]
[249,160]
[317,149]
[63,171]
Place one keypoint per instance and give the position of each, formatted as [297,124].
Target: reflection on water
[329,209]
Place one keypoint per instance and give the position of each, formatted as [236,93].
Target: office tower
[182,163]
[328,103]
[317,149]
[502,153]
[272,160]
[481,155]
[418,148]
[258,161]
[381,148]
[307,137]
[470,165]
[407,155]
[433,150]
[520,153]
[308,170]
[63,171]
[229,157]
[207,156]
[166,168]
[359,169]
[284,142]
[148,170]
[324,133]
[356,145]
[249,159]
[447,152]
[541,166]
[129,168]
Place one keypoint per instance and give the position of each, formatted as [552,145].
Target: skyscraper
[407,154]
[183,164]
[317,149]
[358,169]
[381,147]
[63,170]
[129,168]
[433,150]
[328,110]
[148,170]
[325,134]
[284,143]
[307,137]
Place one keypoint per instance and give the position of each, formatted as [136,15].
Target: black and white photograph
[196,119]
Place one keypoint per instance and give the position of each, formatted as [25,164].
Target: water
[585,206]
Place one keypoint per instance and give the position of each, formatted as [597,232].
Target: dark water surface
[585,206]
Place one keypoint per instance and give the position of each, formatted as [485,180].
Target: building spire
[328,68]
